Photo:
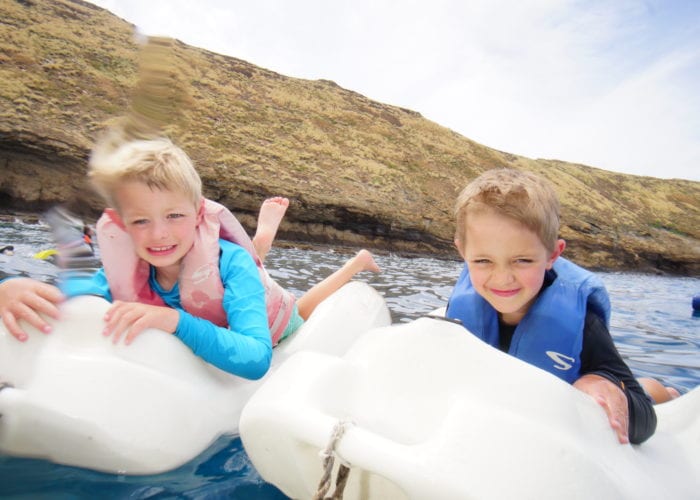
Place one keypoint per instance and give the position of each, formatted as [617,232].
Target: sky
[613,84]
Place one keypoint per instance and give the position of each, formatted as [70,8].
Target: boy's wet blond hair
[521,196]
[157,163]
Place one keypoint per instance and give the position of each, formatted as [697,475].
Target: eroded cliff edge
[358,172]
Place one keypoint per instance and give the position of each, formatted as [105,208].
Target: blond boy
[517,294]
[176,261]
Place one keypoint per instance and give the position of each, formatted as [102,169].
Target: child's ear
[559,247]
[200,211]
[114,215]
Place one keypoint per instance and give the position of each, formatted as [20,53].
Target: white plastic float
[76,398]
[431,412]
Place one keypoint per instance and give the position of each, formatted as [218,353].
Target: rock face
[358,172]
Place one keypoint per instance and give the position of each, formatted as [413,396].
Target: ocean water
[652,324]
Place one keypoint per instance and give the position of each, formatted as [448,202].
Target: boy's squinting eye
[175,216]
[481,261]
[139,222]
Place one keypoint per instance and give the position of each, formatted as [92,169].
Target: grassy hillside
[357,171]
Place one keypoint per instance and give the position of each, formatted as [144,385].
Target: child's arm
[96,284]
[612,399]
[245,348]
[600,358]
[27,299]
[241,354]
[132,318]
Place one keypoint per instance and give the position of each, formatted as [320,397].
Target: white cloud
[608,84]
[646,121]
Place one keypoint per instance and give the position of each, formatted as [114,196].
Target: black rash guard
[599,356]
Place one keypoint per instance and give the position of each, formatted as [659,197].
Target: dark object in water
[73,251]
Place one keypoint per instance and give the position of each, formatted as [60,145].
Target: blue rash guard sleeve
[245,347]
[87,285]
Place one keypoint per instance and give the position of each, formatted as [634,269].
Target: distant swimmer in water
[74,248]
[7,250]
[88,233]
[69,233]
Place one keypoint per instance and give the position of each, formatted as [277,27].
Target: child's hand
[25,298]
[613,400]
[133,317]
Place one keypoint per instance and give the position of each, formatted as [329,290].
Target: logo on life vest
[561,361]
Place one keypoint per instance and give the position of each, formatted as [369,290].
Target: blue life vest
[550,335]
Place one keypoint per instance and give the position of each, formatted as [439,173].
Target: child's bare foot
[658,392]
[366,261]
[673,392]
[271,214]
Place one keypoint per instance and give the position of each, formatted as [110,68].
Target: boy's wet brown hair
[522,196]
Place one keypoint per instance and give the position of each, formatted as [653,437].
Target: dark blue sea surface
[652,324]
[222,471]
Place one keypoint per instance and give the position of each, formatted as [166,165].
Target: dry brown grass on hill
[358,172]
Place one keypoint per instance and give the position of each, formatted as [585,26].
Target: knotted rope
[328,456]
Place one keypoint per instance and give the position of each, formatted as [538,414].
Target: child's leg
[271,213]
[362,261]
[657,391]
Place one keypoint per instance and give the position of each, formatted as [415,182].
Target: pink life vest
[201,290]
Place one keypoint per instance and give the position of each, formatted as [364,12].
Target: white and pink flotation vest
[201,290]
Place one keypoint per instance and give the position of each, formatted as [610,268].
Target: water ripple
[652,321]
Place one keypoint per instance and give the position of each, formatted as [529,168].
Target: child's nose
[160,230]
[503,274]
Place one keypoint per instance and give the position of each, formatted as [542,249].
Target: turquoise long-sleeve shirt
[245,347]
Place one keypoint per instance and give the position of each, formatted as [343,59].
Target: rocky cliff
[358,172]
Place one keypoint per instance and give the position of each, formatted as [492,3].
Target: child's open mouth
[161,250]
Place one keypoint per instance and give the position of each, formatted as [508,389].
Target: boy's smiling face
[161,223]
[507,262]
